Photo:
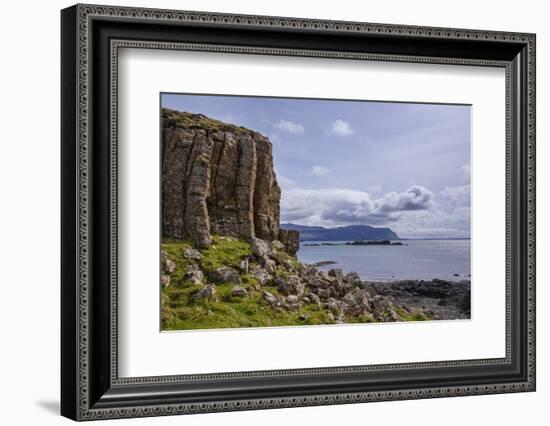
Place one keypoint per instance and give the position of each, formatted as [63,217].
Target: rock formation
[218,178]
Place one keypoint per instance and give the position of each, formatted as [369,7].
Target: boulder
[167,265]
[277,245]
[314,299]
[165,280]
[194,275]
[238,291]
[336,274]
[192,254]
[261,275]
[323,293]
[292,302]
[225,274]
[392,315]
[336,307]
[291,285]
[315,281]
[206,293]
[268,264]
[353,279]
[358,302]
[260,248]
[271,299]
[244,266]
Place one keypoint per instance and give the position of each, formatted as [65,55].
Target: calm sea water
[418,259]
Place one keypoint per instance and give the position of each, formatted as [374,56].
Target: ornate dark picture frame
[91,37]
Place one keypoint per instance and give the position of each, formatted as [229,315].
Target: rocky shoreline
[260,284]
[439,298]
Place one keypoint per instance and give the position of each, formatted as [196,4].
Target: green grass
[231,312]
[224,251]
[181,311]
[408,316]
[174,250]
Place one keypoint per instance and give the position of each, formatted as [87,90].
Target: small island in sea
[228,260]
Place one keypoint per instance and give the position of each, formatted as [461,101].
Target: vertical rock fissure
[214,194]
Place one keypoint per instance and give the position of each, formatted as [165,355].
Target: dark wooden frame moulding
[90,38]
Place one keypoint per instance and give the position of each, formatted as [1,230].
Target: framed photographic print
[263,212]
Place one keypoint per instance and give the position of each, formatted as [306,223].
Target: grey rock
[194,275]
[270,298]
[244,266]
[323,293]
[380,302]
[317,282]
[260,248]
[167,265]
[292,303]
[353,278]
[291,285]
[358,302]
[269,264]
[192,254]
[314,299]
[393,316]
[261,275]
[225,274]
[292,298]
[335,306]
[277,245]
[336,273]
[206,293]
[165,280]
[238,291]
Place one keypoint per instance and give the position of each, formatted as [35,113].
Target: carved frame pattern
[85,13]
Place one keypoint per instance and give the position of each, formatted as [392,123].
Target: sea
[415,259]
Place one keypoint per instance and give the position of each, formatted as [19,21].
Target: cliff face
[217,178]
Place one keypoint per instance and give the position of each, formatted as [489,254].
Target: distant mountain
[343,233]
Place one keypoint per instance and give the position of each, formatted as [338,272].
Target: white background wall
[29,212]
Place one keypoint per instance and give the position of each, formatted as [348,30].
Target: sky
[400,165]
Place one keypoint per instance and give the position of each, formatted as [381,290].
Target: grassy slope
[180,311]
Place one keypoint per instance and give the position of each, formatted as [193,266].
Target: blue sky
[401,165]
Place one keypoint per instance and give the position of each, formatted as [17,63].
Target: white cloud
[415,198]
[416,212]
[289,127]
[341,128]
[332,207]
[319,171]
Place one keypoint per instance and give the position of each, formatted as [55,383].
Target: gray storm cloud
[342,206]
